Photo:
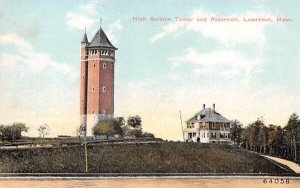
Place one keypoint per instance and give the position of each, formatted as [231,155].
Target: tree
[254,134]
[134,126]
[293,133]
[106,127]
[119,125]
[44,130]
[272,131]
[2,130]
[136,133]
[236,132]
[12,132]
[79,131]
[263,138]
[17,129]
[148,135]
[134,122]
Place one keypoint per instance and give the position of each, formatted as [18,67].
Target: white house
[207,126]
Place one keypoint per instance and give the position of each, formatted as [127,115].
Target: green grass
[136,158]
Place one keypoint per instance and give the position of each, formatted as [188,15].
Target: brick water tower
[96,80]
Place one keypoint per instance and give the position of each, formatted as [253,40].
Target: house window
[196,117]
[213,135]
[103,111]
[103,89]
[213,125]
[227,135]
[104,65]
[194,134]
[203,135]
[221,135]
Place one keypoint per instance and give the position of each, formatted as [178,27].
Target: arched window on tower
[103,89]
[104,65]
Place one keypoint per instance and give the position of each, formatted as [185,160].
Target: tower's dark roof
[100,40]
[85,39]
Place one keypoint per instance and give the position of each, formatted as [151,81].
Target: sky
[248,69]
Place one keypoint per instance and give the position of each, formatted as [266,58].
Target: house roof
[100,40]
[208,115]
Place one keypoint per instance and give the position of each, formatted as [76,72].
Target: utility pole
[181,124]
[85,149]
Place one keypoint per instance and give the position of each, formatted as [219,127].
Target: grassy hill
[163,157]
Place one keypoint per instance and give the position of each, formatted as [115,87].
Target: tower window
[104,65]
[112,66]
[93,89]
[103,89]
[83,77]
[94,65]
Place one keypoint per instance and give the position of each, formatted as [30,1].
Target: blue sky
[247,69]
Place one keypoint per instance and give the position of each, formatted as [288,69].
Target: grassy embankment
[136,158]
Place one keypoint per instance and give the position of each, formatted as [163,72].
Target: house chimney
[203,106]
[214,107]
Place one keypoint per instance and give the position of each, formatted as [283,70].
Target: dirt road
[292,165]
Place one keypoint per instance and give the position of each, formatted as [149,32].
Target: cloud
[111,29]
[221,62]
[81,18]
[26,56]
[15,39]
[90,7]
[79,21]
[224,32]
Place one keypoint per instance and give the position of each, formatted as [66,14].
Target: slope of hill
[160,157]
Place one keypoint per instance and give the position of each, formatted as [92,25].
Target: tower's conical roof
[100,40]
[85,39]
